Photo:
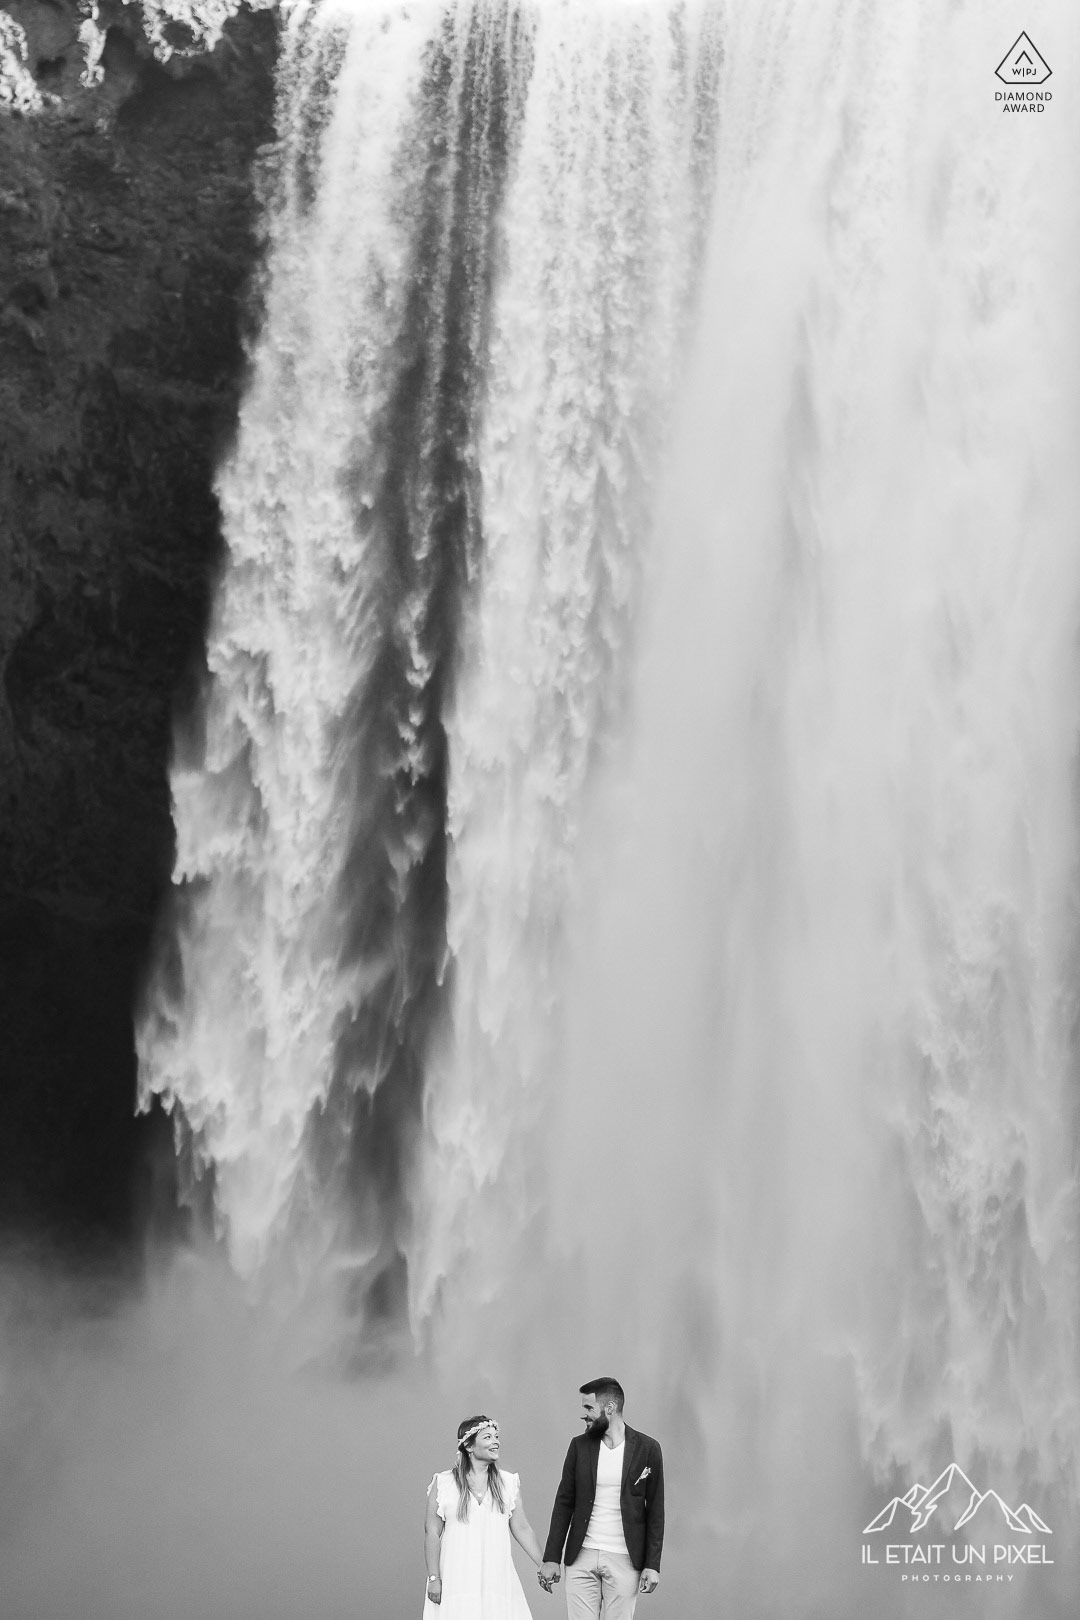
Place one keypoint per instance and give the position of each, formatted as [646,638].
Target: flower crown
[487,1423]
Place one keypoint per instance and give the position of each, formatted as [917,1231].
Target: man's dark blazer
[641,1500]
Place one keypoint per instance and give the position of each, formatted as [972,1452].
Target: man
[609,1512]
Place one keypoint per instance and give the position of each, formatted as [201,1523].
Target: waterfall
[844,1082]
[601,235]
[626,893]
[480,264]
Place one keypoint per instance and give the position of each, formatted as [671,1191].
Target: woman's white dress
[479,1581]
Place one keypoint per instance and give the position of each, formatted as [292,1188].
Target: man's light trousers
[601,1584]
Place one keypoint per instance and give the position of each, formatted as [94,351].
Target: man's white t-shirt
[605,1532]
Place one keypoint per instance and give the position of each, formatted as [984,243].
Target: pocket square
[645,1472]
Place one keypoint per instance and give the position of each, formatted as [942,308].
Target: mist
[178,1448]
[628,916]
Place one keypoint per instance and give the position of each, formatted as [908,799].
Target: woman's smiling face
[485,1447]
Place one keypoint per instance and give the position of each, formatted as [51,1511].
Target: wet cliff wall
[128,276]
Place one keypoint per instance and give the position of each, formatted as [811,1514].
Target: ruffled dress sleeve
[445,1494]
[511,1484]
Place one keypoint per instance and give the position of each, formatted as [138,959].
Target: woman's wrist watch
[433,1578]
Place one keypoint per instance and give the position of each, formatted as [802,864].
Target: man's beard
[598,1425]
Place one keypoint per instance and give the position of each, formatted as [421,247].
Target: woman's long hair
[461,1470]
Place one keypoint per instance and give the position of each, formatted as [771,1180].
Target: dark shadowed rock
[127,248]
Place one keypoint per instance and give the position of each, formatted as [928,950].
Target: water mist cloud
[179,1455]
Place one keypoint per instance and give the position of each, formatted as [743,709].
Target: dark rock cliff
[127,251]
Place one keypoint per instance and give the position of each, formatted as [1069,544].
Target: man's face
[593,1415]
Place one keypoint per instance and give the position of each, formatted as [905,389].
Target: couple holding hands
[608,1515]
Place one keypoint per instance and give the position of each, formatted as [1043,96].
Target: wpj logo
[1023,66]
[951,1504]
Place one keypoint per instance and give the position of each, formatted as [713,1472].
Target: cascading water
[310,832]
[443,461]
[601,234]
[636,910]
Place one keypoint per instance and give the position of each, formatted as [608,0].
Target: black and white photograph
[539,810]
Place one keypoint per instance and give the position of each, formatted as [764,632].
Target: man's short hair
[605,1390]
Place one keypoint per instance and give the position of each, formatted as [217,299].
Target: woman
[472,1511]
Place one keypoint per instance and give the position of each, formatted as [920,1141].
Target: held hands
[649,1581]
[548,1575]
[434,1589]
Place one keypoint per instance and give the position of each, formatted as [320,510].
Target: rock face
[127,259]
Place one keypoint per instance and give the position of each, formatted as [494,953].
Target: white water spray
[848,1079]
[739,1033]
[601,227]
[263,817]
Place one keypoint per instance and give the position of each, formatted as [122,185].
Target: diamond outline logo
[921,1501]
[1035,68]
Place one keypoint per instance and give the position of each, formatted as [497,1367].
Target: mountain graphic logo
[922,1502]
[1022,64]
